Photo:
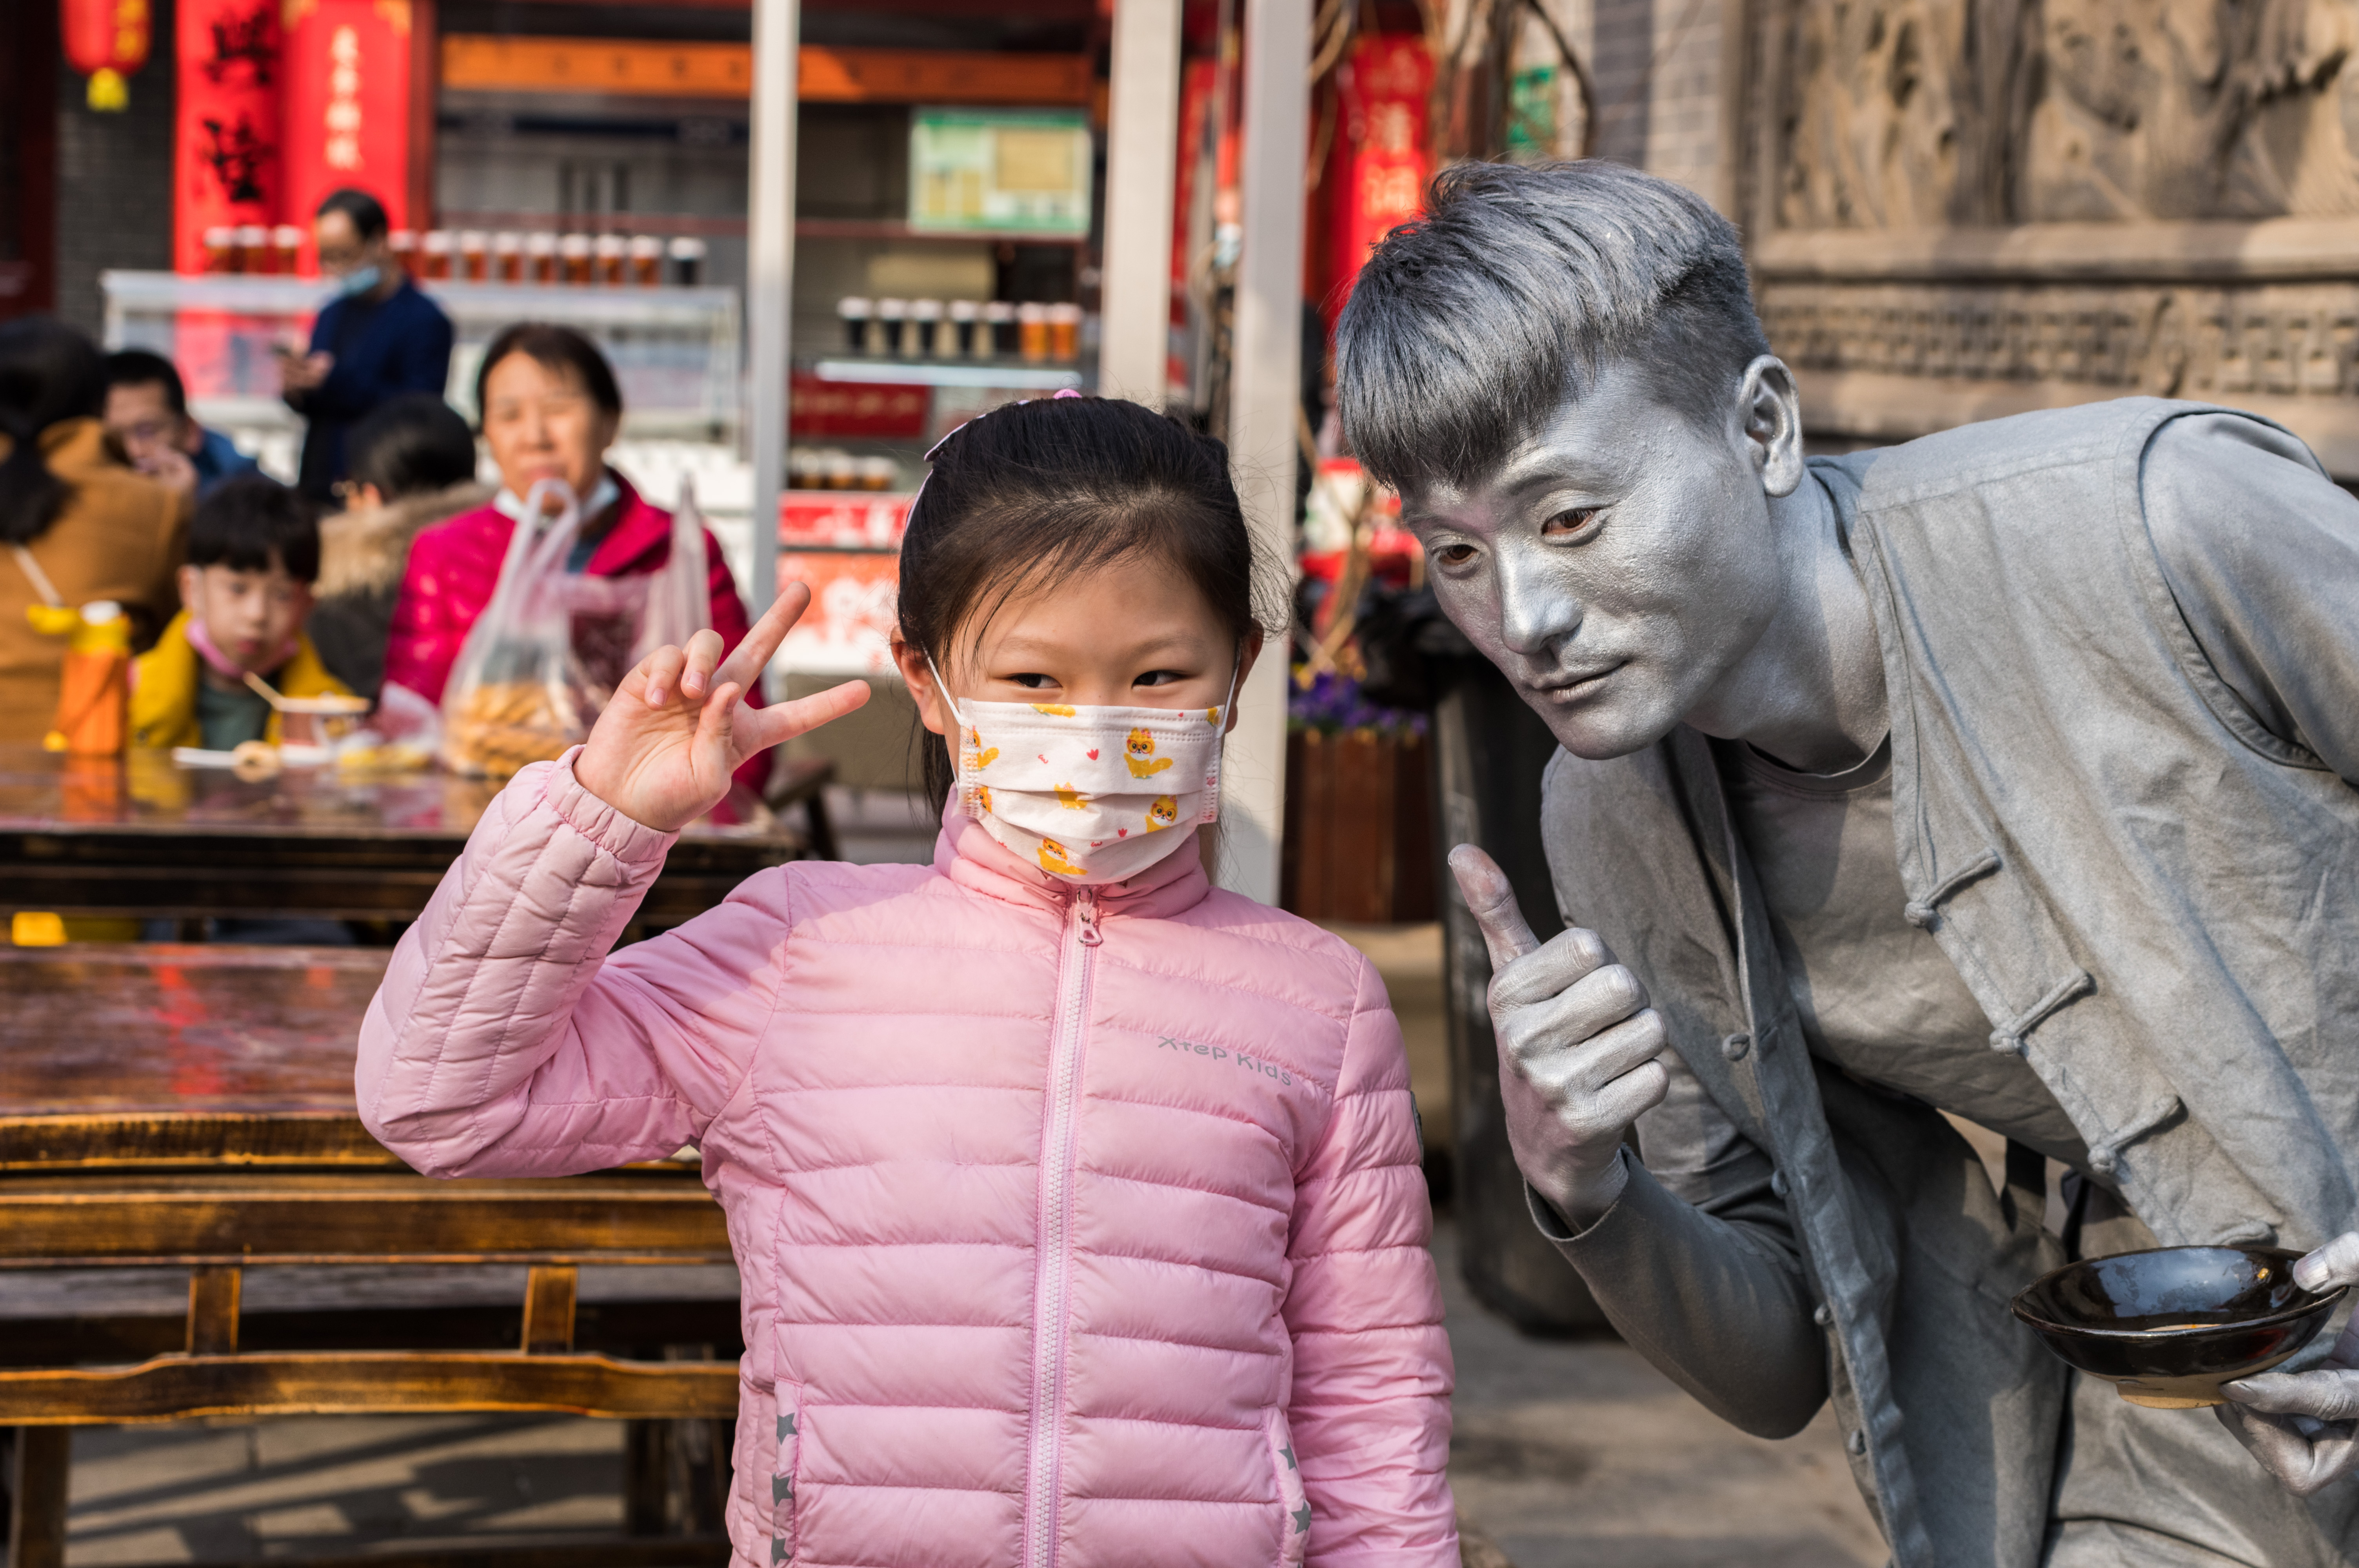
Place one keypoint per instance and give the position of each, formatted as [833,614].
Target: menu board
[1000,171]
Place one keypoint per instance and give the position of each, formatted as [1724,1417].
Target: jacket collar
[971,857]
[639,529]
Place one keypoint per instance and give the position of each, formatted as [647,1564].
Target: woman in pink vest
[549,409]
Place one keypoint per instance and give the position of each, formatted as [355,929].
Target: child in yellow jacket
[254,552]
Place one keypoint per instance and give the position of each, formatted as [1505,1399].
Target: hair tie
[1066,392]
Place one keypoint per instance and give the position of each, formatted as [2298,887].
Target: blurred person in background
[551,409]
[379,338]
[77,523]
[254,552]
[148,415]
[411,465]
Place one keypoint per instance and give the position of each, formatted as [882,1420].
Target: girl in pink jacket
[1077,1203]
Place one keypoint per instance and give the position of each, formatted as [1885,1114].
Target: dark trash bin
[1488,752]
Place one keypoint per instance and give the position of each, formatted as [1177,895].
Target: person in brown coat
[77,523]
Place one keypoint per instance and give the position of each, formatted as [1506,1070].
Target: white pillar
[770,278]
[1142,163]
[1266,391]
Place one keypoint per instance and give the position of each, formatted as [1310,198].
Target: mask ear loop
[1211,811]
[1237,674]
[944,688]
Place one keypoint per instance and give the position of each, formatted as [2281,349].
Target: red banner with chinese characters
[1375,178]
[225,143]
[346,106]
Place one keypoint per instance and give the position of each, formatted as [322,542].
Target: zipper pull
[1085,907]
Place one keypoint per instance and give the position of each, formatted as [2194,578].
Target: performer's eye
[1566,524]
[1452,555]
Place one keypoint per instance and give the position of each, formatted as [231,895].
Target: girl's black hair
[1039,492]
[49,374]
[556,349]
[411,445]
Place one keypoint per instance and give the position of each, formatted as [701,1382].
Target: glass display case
[675,349]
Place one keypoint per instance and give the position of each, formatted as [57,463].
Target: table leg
[646,1476]
[37,1497]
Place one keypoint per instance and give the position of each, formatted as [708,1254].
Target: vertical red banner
[226,167]
[1376,177]
[347,106]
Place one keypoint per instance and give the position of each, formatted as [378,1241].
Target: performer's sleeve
[1697,1267]
[2261,551]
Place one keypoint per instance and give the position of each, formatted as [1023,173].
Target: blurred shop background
[588,162]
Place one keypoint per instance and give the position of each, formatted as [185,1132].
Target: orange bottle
[94,696]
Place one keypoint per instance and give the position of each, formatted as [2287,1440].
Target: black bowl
[2168,1327]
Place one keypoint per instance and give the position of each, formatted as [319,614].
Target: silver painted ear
[1767,378]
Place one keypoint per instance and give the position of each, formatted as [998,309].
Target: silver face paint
[1620,567]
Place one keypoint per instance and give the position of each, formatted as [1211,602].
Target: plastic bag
[549,650]
[520,693]
[679,592]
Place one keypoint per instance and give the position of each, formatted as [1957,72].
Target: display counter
[674,350]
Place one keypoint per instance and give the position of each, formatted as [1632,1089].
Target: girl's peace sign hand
[662,752]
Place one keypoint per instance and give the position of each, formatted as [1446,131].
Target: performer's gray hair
[1470,327]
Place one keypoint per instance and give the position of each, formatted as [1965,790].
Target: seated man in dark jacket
[2008,774]
[379,338]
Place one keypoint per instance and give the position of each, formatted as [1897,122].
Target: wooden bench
[191,1108]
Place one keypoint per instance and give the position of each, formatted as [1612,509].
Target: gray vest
[2154,900]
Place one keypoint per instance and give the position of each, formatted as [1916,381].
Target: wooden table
[186,1113]
[143,836]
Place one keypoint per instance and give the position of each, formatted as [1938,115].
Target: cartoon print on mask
[1143,762]
[1211,716]
[1085,792]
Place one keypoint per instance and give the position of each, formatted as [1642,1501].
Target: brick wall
[1655,64]
[115,180]
[1683,129]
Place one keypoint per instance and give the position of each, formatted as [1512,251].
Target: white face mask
[1088,795]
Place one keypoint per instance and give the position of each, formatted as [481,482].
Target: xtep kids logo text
[1226,1058]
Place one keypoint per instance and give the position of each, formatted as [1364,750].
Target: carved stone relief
[2213,343]
[1904,113]
[1906,144]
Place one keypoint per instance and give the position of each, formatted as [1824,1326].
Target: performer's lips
[1567,687]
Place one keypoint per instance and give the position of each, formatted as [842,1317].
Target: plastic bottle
[94,695]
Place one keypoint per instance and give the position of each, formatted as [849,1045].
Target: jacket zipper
[1052,1278]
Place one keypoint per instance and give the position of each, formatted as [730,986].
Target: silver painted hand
[2303,1427]
[1577,1046]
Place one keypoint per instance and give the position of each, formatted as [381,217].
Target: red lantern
[105,40]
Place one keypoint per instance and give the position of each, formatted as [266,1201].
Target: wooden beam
[213,1294]
[549,1311]
[339,1219]
[359,1382]
[486,62]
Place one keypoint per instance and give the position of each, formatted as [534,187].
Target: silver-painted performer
[2007,773]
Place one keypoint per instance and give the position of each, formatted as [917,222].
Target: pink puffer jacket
[1077,1228]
